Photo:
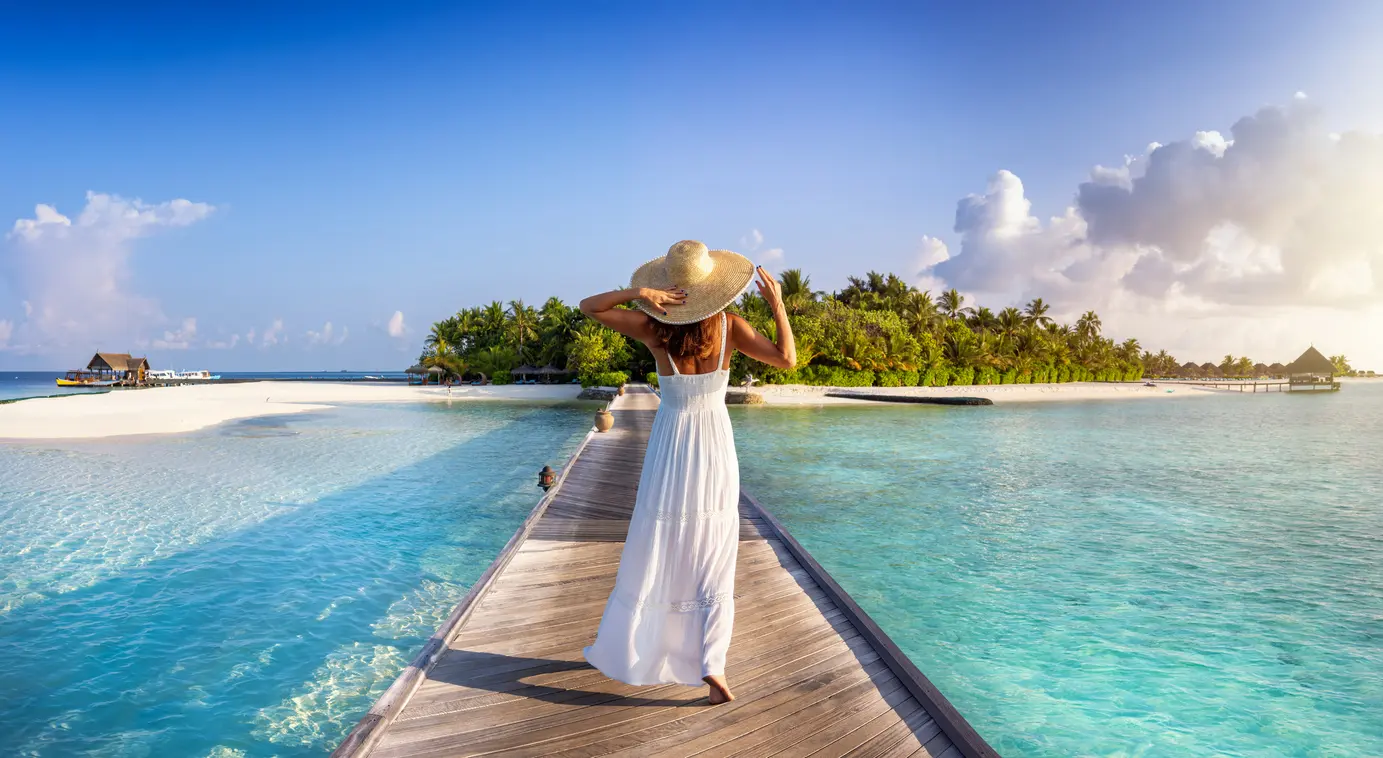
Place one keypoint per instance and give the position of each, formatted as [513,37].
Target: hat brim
[728,278]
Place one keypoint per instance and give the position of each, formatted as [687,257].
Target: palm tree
[952,304]
[522,324]
[859,352]
[492,359]
[492,320]
[1244,366]
[797,290]
[919,312]
[1010,322]
[1128,351]
[1088,326]
[1036,312]
[441,355]
[436,337]
[983,320]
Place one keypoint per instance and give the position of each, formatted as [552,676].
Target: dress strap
[670,361]
[724,327]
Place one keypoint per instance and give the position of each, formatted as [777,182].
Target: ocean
[17,385]
[1171,576]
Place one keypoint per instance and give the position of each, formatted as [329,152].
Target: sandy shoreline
[167,410]
[184,409]
[800,394]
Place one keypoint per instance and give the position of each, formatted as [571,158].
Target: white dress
[669,617]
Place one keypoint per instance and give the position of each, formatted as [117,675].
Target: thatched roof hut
[1260,370]
[1311,363]
[1210,369]
[118,365]
[1277,369]
[1190,369]
[416,369]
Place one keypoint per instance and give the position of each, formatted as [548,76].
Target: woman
[669,617]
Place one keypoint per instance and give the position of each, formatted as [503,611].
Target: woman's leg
[720,690]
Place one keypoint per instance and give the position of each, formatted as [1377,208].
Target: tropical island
[877,331]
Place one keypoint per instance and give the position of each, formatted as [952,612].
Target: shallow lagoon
[1177,577]
[1124,578]
[248,590]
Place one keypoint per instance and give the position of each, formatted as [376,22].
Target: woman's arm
[630,323]
[781,354]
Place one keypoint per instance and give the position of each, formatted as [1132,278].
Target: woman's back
[704,389]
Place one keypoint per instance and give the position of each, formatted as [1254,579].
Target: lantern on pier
[546,478]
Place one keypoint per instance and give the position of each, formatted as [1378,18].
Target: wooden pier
[812,673]
[1259,385]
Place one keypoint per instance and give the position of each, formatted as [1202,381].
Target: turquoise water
[20,384]
[247,590]
[15,385]
[1171,577]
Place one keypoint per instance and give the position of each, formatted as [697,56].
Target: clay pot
[604,420]
[621,389]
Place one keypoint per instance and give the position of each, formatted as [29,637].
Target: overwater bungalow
[1312,371]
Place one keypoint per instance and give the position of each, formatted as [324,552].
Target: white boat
[195,376]
[163,375]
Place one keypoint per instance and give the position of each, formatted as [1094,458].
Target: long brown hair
[696,340]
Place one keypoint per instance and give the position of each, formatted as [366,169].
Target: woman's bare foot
[720,691]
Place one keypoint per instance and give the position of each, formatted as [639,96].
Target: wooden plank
[809,674]
[971,744]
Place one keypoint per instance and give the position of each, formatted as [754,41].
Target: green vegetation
[877,331]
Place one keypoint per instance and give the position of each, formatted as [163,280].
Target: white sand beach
[183,409]
[166,410]
[800,394]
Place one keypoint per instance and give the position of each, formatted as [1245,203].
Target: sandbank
[165,410]
[801,394]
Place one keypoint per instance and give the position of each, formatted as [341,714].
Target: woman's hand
[769,289]
[663,299]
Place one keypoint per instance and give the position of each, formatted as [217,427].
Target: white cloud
[1278,224]
[396,327]
[73,275]
[751,243]
[273,335]
[224,344]
[328,335]
[930,253]
[250,336]
[180,339]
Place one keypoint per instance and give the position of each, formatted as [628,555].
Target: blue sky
[354,161]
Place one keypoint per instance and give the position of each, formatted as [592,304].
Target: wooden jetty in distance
[813,675]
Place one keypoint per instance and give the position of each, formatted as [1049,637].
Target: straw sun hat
[711,278]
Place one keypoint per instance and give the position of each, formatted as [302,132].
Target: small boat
[85,379]
[163,375]
[195,376]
